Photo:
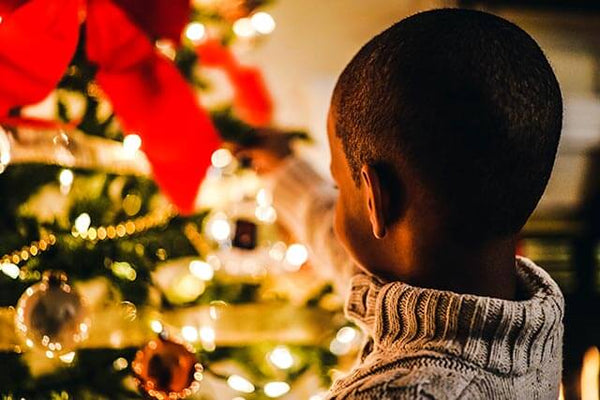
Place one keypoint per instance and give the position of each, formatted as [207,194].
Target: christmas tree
[118,279]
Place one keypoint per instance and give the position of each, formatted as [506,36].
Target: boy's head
[450,118]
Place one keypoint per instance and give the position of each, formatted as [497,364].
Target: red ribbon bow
[147,92]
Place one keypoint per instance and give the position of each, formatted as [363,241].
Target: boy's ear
[377,200]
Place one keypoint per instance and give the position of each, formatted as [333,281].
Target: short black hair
[464,99]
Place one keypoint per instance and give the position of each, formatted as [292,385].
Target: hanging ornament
[52,316]
[245,234]
[166,368]
[4,150]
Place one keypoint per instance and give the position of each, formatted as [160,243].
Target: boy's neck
[480,269]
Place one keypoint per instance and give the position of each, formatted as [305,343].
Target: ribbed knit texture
[425,343]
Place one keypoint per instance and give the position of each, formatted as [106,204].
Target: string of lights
[9,262]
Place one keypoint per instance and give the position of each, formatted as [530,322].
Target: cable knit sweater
[425,343]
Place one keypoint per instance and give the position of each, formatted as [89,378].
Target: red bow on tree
[148,94]
[251,100]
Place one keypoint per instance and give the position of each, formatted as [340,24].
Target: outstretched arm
[305,204]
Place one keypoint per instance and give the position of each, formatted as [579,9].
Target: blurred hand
[266,152]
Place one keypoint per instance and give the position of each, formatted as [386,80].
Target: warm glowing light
[156,326]
[346,334]
[189,333]
[207,334]
[82,223]
[68,357]
[243,28]
[266,214]
[131,144]
[264,198]
[195,32]
[188,288]
[120,364]
[202,270]
[124,270]
[10,270]
[132,203]
[589,374]
[221,158]
[49,354]
[263,23]
[338,348]
[276,389]
[116,338]
[219,227]
[296,255]
[277,251]
[561,392]
[281,357]
[66,180]
[240,384]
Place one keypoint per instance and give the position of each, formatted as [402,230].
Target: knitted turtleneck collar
[506,337]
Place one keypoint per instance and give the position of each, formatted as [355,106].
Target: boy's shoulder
[427,378]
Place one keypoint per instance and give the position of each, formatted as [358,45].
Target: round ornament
[52,316]
[166,368]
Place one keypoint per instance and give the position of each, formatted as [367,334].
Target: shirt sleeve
[305,204]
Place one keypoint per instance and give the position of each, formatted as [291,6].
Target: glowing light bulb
[124,270]
[266,214]
[82,223]
[277,251]
[65,178]
[207,334]
[264,198]
[296,255]
[189,333]
[120,364]
[276,389]
[281,357]
[195,32]
[131,144]
[240,384]
[221,158]
[243,28]
[263,23]
[68,357]
[219,227]
[156,326]
[11,270]
[202,270]
[346,334]
[338,348]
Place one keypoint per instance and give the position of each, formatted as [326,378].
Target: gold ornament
[166,368]
[52,316]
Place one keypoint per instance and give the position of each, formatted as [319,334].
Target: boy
[443,131]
